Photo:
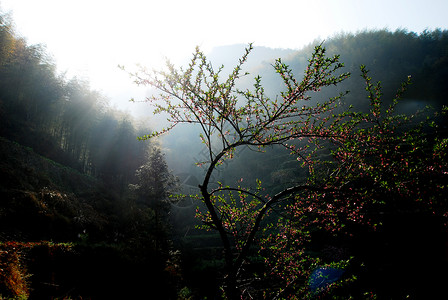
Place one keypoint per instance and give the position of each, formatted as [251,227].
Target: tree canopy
[360,163]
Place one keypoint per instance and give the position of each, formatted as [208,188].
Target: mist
[91,207]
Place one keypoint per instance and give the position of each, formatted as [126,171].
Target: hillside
[45,200]
[390,57]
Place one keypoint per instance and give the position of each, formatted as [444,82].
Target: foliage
[115,242]
[63,119]
[354,167]
[67,159]
[362,166]
[155,182]
[259,122]
[390,56]
[13,275]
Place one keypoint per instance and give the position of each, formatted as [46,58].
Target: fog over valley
[207,150]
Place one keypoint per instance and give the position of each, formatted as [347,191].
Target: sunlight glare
[90,38]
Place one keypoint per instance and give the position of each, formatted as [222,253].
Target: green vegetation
[291,180]
[66,161]
[362,163]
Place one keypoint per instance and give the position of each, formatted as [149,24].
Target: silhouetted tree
[155,184]
[351,176]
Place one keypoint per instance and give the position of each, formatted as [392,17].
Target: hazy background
[89,38]
[73,170]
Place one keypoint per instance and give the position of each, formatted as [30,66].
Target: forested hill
[73,170]
[44,200]
[390,57]
[67,159]
[62,118]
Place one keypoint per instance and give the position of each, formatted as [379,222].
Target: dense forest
[73,172]
[89,211]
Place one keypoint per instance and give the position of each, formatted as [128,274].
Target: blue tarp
[322,277]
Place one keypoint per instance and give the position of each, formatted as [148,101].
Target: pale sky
[89,38]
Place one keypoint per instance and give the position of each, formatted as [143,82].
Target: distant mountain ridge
[390,57]
[229,55]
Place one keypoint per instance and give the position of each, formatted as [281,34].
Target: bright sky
[89,38]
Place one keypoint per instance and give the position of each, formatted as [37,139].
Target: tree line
[75,173]
[342,172]
[62,118]
[390,57]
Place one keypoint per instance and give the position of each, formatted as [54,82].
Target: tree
[340,185]
[155,184]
